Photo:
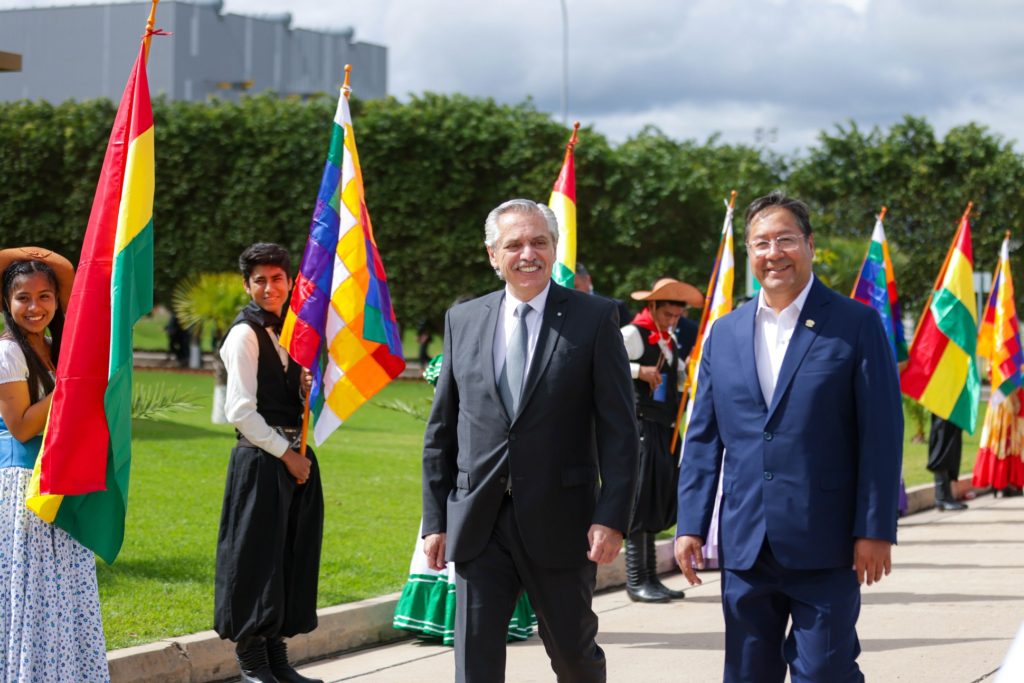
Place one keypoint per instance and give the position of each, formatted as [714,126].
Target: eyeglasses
[783,242]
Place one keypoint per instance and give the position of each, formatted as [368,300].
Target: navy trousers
[822,605]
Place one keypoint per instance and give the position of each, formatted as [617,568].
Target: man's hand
[871,558]
[307,381]
[433,548]
[649,374]
[298,465]
[690,554]
[605,543]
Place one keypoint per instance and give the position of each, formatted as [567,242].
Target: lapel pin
[809,323]
[559,314]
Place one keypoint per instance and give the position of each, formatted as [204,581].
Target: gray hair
[524,206]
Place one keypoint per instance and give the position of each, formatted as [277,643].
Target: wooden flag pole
[345,87]
[705,314]
[860,273]
[574,138]
[150,23]
[942,272]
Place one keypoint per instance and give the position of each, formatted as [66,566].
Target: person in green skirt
[427,604]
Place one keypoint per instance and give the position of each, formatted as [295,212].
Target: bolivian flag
[563,204]
[941,373]
[80,481]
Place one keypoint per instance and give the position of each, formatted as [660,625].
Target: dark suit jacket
[817,468]
[571,451]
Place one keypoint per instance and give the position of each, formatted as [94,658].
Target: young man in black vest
[271,526]
[658,367]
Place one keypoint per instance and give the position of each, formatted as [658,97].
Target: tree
[211,301]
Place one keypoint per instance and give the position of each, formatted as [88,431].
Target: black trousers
[268,548]
[945,447]
[486,589]
[658,486]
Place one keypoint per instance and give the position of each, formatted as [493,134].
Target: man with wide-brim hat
[658,367]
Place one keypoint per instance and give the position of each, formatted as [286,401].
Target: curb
[204,658]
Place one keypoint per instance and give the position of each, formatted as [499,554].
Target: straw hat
[670,289]
[62,268]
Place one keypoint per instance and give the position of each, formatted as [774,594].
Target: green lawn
[162,583]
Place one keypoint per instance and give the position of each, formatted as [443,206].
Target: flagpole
[942,272]
[860,273]
[303,443]
[705,314]
[150,23]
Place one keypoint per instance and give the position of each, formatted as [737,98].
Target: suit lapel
[747,314]
[550,331]
[490,327]
[808,325]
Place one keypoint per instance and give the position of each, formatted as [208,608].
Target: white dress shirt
[507,323]
[635,340]
[772,332]
[241,355]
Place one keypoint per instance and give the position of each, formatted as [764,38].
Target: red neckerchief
[643,319]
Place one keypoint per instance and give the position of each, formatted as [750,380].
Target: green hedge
[229,174]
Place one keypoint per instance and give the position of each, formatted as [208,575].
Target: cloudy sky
[696,67]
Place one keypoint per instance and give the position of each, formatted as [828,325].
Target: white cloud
[700,66]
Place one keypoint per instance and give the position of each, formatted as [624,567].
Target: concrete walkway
[948,612]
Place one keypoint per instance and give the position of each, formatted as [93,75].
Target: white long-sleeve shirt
[241,354]
[634,339]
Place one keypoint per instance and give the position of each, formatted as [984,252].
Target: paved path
[948,612]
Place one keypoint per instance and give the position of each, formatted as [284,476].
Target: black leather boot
[944,500]
[277,652]
[638,587]
[652,571]
[252,661]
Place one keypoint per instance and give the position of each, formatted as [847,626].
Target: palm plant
[211,301]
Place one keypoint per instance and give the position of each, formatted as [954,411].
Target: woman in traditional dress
[999,463]
[50,627]
[427,604]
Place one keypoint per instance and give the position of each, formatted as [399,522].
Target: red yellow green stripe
[563,204]
[82,474]
[941,372]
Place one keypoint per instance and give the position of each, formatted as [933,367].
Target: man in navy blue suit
[798,389]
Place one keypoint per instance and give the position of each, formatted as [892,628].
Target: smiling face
[524,253]
[268,286]
[32,302]
[782,273]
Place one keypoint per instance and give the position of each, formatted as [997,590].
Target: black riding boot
[944,499]
[638,585]
[252,661]
[652,571]
[277,652]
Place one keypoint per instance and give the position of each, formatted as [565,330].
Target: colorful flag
[717,303]
[941,373]
[80,482]
[876,287]
[999,336]
[340,322]
[563,203]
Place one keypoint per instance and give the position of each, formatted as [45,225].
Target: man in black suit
[530,454]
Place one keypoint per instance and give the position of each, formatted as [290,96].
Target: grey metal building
[86,51]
